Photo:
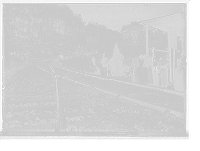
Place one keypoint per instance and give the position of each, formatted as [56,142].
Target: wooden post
[174,53]
[185,33]
[184,36]
[4,38]
[170,52]
[147,40]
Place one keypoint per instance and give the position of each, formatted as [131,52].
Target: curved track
[49,100]
[156,99]
[28,101]
[126,82]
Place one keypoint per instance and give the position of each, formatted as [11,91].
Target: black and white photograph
[94,70]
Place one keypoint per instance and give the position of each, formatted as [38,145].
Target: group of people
[115,65]
[150,70]
[144,69]
[160,72]
[105,66]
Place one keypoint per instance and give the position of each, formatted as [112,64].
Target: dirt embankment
[12,73]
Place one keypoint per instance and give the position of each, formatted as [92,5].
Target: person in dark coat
[103,60]
[93,59]
[148,63]
[50,54]
[180,75]
[109,74]
[106,63]
[27,56]
[17,55]
[163,66]
[156,74]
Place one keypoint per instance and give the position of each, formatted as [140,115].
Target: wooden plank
[170,53]
[158,50]
[60,126]
[147,40]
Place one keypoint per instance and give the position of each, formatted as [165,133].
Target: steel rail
[59,104]
[128,99]
[126,82]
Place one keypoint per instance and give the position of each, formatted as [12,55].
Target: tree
[46,11]
[131,32]
[44,22]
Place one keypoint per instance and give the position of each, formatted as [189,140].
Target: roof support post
[169,36]
[184,38]
[4,38]
[174,37]
[147,39]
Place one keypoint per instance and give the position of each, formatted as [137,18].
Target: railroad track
[66,101]
[22,97]
[155,97]
[176,101]
[128,83]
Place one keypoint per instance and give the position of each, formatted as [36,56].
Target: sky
[115,16]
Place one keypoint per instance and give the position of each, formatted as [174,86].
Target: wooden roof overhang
[163,23]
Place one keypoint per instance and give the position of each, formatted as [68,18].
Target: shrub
[79,63]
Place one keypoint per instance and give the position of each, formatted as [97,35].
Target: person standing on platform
[97,70]
[27,56]
[148,65]
[93,61]
[14,55]
[43,53]
[103,60]
[108,67]
[154,63]
[131,69]
[179,82]
[50,54]
[60,57]
[155,73]
[17,55]
[116,65]
[104,65]
[21,55]
[163,71]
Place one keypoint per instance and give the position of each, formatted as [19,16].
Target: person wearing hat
[27,56]
[105,62]
[60,57]
[163,71]
[43,53]
[132,65]
[50,54]
[148,63]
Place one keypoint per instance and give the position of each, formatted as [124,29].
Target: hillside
[37,24]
